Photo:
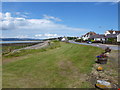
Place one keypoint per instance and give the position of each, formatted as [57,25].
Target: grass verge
[61,65]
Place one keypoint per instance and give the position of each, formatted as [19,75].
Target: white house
[118,38]
[87,35]
[111,32]
[64,39]
[107,32]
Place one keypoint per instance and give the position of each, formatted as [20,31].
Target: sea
[7,42]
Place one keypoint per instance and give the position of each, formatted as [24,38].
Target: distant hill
[19,39]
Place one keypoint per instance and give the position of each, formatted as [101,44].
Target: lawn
[64,66]
[8,49]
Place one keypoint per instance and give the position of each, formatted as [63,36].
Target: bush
[79,40]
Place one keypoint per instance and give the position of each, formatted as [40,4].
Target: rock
[103,84]
[99,68]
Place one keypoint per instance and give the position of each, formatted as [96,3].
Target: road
[103,46]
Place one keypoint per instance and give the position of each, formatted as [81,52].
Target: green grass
[54,44]
[8,49]
[56,67]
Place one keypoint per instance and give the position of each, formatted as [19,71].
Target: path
[103,46]
[37,46]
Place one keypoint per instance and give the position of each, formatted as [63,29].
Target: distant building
[87,35]
[110,36]
[98,37]
[112,32]
[64,39]
[118,38]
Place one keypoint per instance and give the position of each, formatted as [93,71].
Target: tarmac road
[103,46]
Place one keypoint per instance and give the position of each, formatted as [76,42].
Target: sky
[54,19]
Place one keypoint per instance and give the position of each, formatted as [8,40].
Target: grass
[112,65]
[8,49]
[53,45]
[61,65]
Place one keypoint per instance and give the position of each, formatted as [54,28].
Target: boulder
[102,84]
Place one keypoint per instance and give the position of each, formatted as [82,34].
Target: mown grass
[52,45]
[64,65]
[8,49]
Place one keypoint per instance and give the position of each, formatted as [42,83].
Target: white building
[111,32]
[118,38]
[64,39]
[87,35]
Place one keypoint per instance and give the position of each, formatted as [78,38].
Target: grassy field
[8,49]
[64,65]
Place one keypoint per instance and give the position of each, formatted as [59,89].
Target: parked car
[89,42]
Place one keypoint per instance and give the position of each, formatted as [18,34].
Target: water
[7,42]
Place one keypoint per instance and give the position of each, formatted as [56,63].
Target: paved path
[103,46]
[37,46]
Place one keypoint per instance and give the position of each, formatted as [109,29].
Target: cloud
[51,35]
[22,36]
[8,22]
[38,35]
[46,27]
[1,16]
[17,13]
[18,36]
[22,14]
[51,17]
[47,35]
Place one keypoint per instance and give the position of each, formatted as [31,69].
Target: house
[112,32]
[118,38]
[64,39]
[87,35]
[112,36]
[111,39]
[98,37]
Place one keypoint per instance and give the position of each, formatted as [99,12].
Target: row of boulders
[102,59]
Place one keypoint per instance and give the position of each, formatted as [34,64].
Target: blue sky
[52,19]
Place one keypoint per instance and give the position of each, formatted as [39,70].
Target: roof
[98,36]
[111,31]
[90,33]
[117,32]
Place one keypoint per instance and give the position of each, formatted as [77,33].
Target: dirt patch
[67,68]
